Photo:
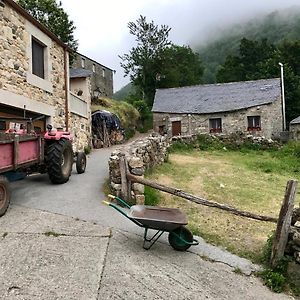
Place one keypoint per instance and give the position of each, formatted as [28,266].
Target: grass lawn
[249,180]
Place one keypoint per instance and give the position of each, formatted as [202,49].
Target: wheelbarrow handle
[122,212]
[120,200]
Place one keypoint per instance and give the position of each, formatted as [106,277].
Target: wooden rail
[199,200]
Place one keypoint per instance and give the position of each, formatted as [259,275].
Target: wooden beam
[199,200]
[284,222]
[125,191]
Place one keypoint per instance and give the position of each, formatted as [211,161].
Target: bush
[274,280]
[87,150]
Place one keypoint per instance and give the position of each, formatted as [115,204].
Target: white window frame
[103,72]
[42,83]
[94,68]
[251,121]
[212,125]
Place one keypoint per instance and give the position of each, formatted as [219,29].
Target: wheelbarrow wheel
[180,238]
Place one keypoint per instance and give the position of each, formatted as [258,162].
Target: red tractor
[29,153]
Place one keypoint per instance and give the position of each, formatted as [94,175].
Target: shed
[249,106]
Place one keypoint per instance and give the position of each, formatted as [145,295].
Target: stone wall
[81,126]
[140,155]
[18,86]
[295,131]
[271,121]
[104,83]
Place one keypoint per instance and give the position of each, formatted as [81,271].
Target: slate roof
[80,73]
[295,121]
[213,98]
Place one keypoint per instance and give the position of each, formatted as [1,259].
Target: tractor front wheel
[80,162]
[4,195]
[60,161]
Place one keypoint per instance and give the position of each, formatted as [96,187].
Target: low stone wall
[234,140]
[140,155]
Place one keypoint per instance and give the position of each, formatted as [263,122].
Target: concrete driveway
[110,266]
[80,197]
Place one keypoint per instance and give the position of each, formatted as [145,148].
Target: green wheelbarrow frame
[158,218]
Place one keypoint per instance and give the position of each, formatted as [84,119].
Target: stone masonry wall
[103,83]
[19,87]
[80,126]
[295,131]
[15,65]
[140,155]
[271,121]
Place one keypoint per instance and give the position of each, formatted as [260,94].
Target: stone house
[101,76]
[295,129]
[34,77]
[252,107]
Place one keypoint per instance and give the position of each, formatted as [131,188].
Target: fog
[102,25]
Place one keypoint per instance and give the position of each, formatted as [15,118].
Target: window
[82,62]
[215,125]
[254,123]
[38,61]
[39,58]
[103,72]
[94,68]
[162,129]
[2,125]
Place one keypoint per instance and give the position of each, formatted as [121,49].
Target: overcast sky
[101,26]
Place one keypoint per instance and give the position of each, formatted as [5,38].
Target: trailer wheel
[178,236]
[81,162]
[4,195]
[60,161]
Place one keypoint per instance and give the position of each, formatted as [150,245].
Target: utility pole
[282,97]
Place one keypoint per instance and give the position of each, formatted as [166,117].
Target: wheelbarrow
[162,220]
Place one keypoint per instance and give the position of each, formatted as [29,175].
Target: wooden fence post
[125,184]
[284,222]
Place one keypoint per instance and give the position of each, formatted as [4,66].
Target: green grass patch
[151,196]
[251,180]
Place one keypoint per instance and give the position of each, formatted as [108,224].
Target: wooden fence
[283,221]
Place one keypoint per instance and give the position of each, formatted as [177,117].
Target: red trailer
[30,153]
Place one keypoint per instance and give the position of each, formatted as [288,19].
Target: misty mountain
[276,27]
[123,92]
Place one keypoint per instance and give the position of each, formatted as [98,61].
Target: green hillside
[123,92]
[276,27]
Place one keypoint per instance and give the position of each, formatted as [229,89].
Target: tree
[180,66]
[157,63]
[253,62]
[259,59]
[141,63]
[51,14]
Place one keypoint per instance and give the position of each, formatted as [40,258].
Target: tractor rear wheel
[4,195]
[60,161]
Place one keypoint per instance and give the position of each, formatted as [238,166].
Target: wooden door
[176,128]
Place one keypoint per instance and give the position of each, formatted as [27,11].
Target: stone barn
[252,107]
[295,129]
